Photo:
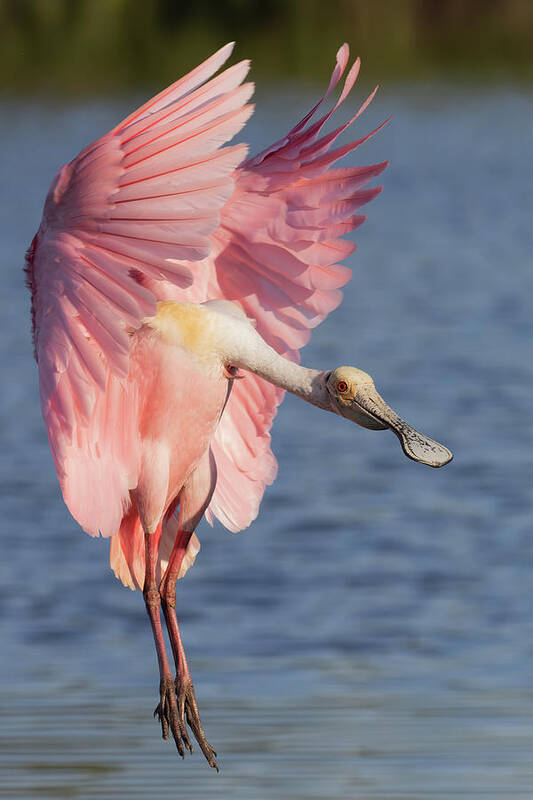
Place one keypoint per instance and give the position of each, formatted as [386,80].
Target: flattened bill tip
[424,450]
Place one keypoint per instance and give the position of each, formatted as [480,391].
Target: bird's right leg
[193,501]
[149,497]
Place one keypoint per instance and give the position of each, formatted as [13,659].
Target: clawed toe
[177,708]
[170,717]
[188,708]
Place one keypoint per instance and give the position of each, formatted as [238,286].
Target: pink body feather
[159,209]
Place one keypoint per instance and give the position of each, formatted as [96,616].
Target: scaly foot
[188,709]
[170,717]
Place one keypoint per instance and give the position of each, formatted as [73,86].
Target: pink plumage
[159,209]
[162,209]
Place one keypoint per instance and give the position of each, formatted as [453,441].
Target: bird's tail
[126,554]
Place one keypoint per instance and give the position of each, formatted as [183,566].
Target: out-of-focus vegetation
[102,45]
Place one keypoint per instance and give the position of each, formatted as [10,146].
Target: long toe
[187,701]
[161,716]
[170,717]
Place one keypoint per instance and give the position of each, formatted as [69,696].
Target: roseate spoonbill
[166,267]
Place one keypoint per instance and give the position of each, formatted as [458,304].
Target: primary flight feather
[167,266]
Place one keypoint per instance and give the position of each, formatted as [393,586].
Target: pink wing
[275,253]
[137,206]
[144,213]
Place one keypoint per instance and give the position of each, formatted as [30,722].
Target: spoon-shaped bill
[414,444]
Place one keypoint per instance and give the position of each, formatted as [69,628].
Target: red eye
[342,387]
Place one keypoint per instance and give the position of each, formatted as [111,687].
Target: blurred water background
[371,635]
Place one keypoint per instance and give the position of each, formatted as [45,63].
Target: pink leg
[168,597]
[167,710]
[187,705]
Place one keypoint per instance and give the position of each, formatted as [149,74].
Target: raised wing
[134,209]
[276,254]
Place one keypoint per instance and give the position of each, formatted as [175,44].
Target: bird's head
[352,394]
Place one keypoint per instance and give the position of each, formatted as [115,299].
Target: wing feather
[140,203]
[180,88]
[277,254]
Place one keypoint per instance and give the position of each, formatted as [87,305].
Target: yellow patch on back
[187,325]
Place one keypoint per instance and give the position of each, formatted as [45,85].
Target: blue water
[371,635]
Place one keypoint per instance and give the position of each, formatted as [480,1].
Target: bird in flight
[174,280]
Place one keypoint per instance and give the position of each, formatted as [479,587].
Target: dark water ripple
[371,635]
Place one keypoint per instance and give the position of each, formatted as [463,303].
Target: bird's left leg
[167,710]
[193,501]
[149,498]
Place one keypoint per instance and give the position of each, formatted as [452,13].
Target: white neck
[244,348]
